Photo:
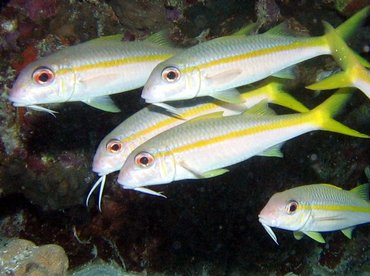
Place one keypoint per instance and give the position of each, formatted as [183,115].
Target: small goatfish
[354,73]
[90,71]
[114,149]
[204,146]
[215,67]
[316,208]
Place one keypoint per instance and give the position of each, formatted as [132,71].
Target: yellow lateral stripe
[344,208]
[238,133]
[170,120]
[194,112]
[314,42]
[116,62]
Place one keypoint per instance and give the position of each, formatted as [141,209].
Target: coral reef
[203,227]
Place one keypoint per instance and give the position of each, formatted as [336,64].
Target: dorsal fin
[246,30]
[218,114]
[116,37]
[362,191]
[260,109]
[160,38]
[332,186]
[281,29]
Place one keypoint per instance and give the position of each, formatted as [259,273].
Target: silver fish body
[228,62]
[317,208]
[87,71]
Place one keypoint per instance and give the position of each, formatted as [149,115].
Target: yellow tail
[323,114]
[354,73]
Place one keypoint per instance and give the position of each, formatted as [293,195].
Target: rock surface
[23,257]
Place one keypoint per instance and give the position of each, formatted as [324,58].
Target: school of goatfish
[200,137]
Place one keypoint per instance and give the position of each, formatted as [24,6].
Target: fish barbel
[214,67]
[203,147]
[315,208]
[90,71]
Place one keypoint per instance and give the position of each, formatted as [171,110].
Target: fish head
[285,211]
[146,167]
[171,82]
[112,153]
[41,82]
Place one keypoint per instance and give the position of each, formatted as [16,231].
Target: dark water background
[206,226]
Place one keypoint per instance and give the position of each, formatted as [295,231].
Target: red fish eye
[171,74]
[43,75]
[144,159]
[292,207]
[114,146]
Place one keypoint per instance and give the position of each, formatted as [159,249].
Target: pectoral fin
[230,96]
[103,103]
[287,73]
[226,75]
[209,174]
[315,236]
[214,173]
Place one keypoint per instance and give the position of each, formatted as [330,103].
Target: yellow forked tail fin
[348,28]
[354,73]
[323,114]
[280,97]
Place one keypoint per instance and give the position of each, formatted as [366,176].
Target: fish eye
[144,159]
[43,75]
[291,207]
[114,146]
[171,74]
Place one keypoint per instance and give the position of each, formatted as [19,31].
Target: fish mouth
[268,229]
[15,102]
[149,100]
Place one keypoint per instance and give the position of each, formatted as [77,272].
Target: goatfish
[90,71]
[114,149]
[215,67]
[354,72]
[204,146]
[316,208]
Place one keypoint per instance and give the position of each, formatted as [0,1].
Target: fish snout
[268,217]
[148,96]
[102,168]
[17,97]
